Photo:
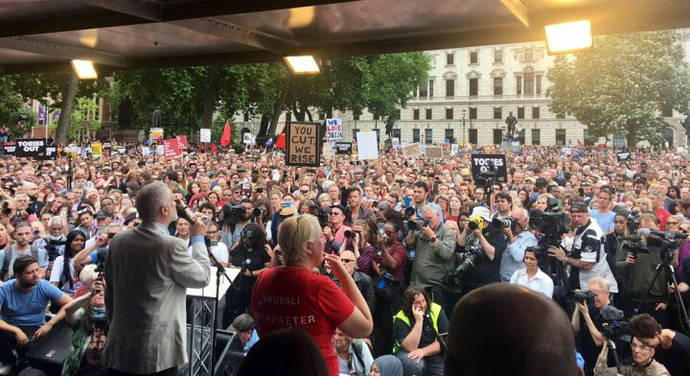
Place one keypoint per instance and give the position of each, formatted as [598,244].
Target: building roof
[44,35]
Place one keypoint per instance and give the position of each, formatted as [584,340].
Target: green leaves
[621,86]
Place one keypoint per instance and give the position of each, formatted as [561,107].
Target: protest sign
[34,148]
[303,147]
[156,134]
[107,145]
[205,135]
[367,147]
[160,149]
[434,152]
[145,151]
[249,139]
[182,141]
[334,129]
[171,148]
[343,147]
[411,151]
[623,156]
[9,149]
[454,148]
[485,164]
[96,149]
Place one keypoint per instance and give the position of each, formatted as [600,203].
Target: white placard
[205,135]
[367,147]
[334,129]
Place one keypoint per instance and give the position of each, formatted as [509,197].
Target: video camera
[51,247]
[233,214]
[646,241]
[551,224]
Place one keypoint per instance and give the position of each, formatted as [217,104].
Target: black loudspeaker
[228,355]
[49,353]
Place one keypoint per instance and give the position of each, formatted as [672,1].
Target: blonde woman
[295,295]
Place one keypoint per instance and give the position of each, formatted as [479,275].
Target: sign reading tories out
[303,144]
[487,163]
[34,148]
[343,147]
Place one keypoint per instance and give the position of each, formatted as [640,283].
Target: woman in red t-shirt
[296,295]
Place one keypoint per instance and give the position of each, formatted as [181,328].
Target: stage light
[569,37]
[84,69]
[305,64]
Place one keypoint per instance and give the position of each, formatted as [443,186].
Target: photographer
[54,243]
[485,268]
[587,257]
[672,349]
[636,264]
[512,258]
[435,252]
[235,218]
[95,253]
[588,321]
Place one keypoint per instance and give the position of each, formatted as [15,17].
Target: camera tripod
[666,266]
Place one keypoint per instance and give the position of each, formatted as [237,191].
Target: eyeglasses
[641,347]
[334,213]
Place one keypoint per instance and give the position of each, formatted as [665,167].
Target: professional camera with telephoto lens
[414,224]
[233,214]
[475,222]
[472,255]
[51,248]
[615,326]
[499,223]
[647,241]
[633,221]
[586,297]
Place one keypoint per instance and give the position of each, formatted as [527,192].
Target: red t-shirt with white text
[286,297]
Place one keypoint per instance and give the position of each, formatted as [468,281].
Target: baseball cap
[578,207]
[482,212]
[541,182]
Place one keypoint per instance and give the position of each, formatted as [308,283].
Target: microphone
[182,213]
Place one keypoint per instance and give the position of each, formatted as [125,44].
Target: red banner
[182,141]
[171,148]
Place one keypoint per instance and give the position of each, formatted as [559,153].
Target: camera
[476,222]
[615,325]
[233,214]
[551,225]
[499,223]
[51,248]
[586,297]
[417,225]
[633,221]
[6,210]
[472,255]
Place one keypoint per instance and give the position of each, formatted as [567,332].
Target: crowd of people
[369,258]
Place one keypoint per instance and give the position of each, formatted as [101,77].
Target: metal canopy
[43,35]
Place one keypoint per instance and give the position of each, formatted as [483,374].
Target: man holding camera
[636,264]
[587,257]
[435,251]
[512,258]
[485,268]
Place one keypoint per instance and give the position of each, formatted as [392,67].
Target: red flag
[214,150]
[226,139]
[280,141]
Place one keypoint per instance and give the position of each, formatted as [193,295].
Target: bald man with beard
[503,329]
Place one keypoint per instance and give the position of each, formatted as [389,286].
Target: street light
[463,127]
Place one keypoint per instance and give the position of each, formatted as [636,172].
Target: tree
[621,86]
[11,106]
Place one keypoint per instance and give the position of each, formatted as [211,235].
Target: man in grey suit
[147,273]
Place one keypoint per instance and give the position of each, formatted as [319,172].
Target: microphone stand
[182,212]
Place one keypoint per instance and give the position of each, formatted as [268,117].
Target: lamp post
[463,127]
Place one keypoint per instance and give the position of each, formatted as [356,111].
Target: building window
[497,113]
[560,137]
[474,57]
[473,136]
[450,136]
[498,86]
[474,86]
[473,112]
[498,136]
[450,88]
[536,136]
[529,84]
[538,84]
[378,135]
[431,88]
[521,113]
[354,133]
[535,112]
[528,55]
[450,59]
[422,92]
[449,114]
[428,136]
[428,114]
[396,133]
[415,114]
[518,85]
[666,111]
[415,135]
[619,141]
[498,56]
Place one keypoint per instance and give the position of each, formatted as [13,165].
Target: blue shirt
[28,309]
[512,259]
[605,221]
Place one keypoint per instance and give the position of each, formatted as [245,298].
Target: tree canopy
[622,85]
